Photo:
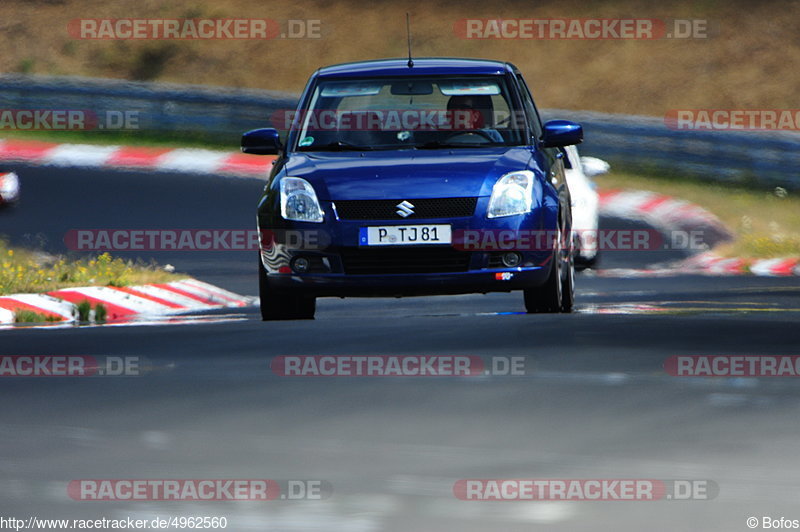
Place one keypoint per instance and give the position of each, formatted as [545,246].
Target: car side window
[530,108]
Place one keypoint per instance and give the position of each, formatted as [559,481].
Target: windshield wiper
[338,145]
[434,144]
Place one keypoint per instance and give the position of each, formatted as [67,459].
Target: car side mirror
[261,142]
[593,167]
[560,133]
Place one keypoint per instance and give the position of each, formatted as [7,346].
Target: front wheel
[557,294]
[281,306]
[547,297]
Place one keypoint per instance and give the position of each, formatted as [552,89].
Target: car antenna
[408,32]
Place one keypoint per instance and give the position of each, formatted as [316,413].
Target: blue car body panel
[407,174]
[443,66]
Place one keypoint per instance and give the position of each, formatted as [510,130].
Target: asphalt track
[595,401]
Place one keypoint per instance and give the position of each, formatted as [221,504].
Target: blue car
[403,178]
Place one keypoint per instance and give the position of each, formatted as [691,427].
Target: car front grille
[423,208]
[405,259]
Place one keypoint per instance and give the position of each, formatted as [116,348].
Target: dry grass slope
[751,62]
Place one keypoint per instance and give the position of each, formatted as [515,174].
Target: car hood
[406,174]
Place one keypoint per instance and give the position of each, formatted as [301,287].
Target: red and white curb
[187,160]
[715,265]
[124,303]
[671,214]
[664,213]
[711,264]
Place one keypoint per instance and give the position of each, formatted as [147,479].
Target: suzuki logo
[405,209]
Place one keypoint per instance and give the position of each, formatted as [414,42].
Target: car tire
[547,297]
[568,283]
[280,306]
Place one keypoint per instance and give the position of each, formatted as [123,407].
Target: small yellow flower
[10,252]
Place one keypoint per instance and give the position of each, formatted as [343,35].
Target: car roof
[424,66]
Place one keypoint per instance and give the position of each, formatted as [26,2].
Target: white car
[585,203]
[9,188]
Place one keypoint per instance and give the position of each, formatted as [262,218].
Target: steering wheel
[467,134]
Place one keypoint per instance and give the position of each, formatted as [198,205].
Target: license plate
[397,235]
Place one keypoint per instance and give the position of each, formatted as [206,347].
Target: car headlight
[299,201]
[512,194]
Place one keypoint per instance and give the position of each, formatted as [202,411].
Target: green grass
[100,313]
[765,221]
[28,316]
[25,271]
[85,312]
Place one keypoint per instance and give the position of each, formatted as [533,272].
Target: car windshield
[413,112]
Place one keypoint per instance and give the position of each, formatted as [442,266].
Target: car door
[552,158]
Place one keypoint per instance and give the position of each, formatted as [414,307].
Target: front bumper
[343,285]
[340,266]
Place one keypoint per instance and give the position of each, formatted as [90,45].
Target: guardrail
[222,114]
[219,114]
[763,158]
